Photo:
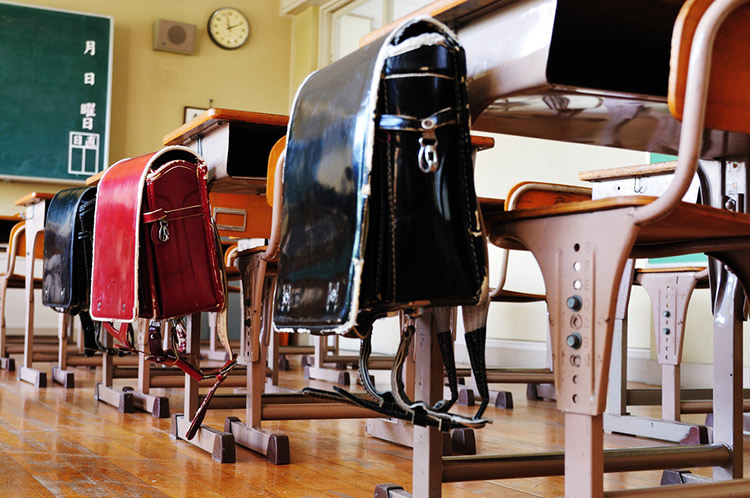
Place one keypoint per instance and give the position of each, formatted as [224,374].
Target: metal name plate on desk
[652,180]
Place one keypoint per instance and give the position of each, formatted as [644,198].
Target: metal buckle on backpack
[428,156]
[163,230]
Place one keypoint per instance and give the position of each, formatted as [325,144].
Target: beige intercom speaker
[172,36]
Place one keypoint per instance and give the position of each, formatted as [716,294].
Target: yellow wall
[304,46]
[150,88]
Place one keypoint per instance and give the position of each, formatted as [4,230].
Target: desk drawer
[241,216]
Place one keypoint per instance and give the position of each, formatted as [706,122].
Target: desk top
[584,71]
[451,12]
[213,117]
[33,198]
[609,174]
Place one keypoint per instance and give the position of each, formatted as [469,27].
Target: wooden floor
[58,442]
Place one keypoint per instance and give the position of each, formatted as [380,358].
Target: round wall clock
[228,28]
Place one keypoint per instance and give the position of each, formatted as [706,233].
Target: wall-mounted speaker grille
[172,36]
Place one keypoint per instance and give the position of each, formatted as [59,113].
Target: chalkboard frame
[105,24]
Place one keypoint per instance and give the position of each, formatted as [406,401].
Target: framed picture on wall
[192,112]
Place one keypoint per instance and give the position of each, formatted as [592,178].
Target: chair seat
[687,224]
[491,205]
[252,250]
[509,296]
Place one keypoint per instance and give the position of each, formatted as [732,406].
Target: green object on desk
[55,88]
[685,259]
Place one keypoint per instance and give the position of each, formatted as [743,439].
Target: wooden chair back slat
[273,158]
[728,105]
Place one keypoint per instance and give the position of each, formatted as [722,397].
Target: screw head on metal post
[574,302]
[574,340]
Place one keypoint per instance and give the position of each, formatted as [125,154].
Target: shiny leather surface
[115,270]
[183,266]
[363,228]
[117,258]
[67,250]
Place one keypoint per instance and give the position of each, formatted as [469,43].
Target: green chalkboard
[55,86]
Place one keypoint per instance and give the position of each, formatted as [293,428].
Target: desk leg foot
[390,491]
[220,444]
[275,447]
[8,364]
[504,399]
[463,441]
[64,377]
[669,477]
[541,391]
[663,430]
[327,374]
[157,406]
[32,376]
[122,400]
[466,397]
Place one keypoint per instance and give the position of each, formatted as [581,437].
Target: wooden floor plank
[60,442]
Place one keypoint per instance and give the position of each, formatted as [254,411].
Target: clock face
[228,28]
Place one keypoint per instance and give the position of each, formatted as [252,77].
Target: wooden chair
[46,348]
[11,278]
[582,249]
[663,284]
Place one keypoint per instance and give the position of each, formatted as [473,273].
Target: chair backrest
[230,255]
[273,159]
[17,247]
[728,104]
[708,65]
[38,250]
[275,185]
[15,239]
[528,195]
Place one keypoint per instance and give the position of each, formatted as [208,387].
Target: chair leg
[582,271]
[3,330]
[727,394]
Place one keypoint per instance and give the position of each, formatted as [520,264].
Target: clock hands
[228,28]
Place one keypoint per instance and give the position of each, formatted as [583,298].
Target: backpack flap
[67,248]
[379,205]
[117,258]
[182,262]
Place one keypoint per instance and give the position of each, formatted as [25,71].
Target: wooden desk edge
[446,11]
[480,142]
[214,116]
[93,180]
[670,269]
[33,198]
[600,175]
